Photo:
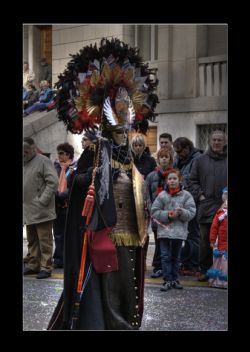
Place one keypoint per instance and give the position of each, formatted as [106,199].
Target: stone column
[201,51]
[164,63]
[34,51]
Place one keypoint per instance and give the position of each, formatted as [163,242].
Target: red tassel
[89,204]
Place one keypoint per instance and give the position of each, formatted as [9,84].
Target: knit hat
[224,190]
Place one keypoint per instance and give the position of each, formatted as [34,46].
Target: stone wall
[69,39]
[185,124]
[46,131]
[180,51]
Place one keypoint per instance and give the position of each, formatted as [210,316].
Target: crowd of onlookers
[189,238]
[185,196]
[37,98]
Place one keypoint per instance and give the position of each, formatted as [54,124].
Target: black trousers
[157,254]
[206,252]
[58,231]
[190,252]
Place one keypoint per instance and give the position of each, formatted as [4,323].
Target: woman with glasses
[64,166]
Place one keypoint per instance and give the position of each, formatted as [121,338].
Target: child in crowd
[218,241]
[155,182]
[172,210]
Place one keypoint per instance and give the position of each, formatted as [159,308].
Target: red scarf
[162,177]
[173,191]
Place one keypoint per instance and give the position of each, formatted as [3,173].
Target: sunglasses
[61,153]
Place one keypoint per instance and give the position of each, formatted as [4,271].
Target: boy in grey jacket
[172,210]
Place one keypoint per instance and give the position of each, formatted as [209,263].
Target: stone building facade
[192,69]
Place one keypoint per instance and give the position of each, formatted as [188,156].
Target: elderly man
[207,179]
[40,183]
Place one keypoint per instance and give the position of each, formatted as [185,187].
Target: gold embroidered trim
[125,239]
[115,164]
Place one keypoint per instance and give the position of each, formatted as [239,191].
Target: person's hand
[172,214]
[202,197]
[178,211]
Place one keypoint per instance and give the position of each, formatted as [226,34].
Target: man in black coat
[207,179]
[186,153]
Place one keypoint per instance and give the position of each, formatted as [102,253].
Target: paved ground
[192,308]
[196,307]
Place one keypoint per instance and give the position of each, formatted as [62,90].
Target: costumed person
[106,92]
[172,209]
[217,274]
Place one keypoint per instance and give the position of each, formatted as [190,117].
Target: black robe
[99,309]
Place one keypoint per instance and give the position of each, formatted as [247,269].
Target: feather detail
[109,113]
[78,103]
[116,74]
[94,78]
[131,113]
[104,174]
[137,99]
[110,81]
[106,73]
[92,109]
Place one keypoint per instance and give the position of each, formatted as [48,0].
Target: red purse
[102,251]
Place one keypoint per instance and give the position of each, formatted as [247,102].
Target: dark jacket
[184,165]
[208,177]
[145,164]
[45,73]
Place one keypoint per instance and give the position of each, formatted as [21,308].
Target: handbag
[102,251]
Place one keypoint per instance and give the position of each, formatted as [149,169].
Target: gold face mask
[120,136]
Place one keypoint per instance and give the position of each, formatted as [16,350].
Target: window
[203,132]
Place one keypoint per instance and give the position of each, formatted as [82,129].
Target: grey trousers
[40,243]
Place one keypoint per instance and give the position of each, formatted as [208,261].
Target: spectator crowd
[41,97]
[185,197]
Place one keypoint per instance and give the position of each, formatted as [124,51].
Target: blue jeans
[35,107]
[170,257]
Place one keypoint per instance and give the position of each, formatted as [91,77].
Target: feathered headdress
[107,88]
